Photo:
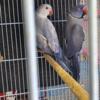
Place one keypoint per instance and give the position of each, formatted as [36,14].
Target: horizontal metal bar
[16,94]
[18,59]
[16,23]
[13,23]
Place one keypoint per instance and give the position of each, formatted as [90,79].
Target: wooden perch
[75,87]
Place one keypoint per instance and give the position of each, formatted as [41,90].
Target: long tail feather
[75,68]
[63,62]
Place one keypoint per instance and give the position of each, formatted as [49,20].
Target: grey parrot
[74,38]
[47,39]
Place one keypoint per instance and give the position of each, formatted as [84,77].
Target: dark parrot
[74,38]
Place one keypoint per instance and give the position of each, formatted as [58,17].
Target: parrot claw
[40,51]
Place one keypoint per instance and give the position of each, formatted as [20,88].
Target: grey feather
[47,29]
[74,35]
[74,38]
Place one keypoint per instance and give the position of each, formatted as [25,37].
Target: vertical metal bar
[3,45]
[20,47]
[93,49]
[30,39]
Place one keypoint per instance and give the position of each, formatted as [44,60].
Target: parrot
[47,39]
[74,38]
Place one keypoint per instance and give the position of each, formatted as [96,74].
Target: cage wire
[13,68]
[99,42]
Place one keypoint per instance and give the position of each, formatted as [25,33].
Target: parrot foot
[40,51]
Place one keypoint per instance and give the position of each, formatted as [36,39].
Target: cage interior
[13,68]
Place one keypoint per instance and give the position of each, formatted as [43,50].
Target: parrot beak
[85,10]
[51,12]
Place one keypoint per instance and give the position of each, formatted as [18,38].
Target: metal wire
[13,69]
[94,50]
[58,20]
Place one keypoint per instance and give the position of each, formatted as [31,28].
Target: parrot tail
[75,68]
[64,63]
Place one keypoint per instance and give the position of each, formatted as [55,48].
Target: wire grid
[51,80]
[13,69]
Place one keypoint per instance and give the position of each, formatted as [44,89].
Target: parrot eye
[46,7]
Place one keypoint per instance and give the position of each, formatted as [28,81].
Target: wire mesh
[13,68]
[61,8]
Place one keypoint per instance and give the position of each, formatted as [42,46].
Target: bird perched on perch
[74,37]
[47,39]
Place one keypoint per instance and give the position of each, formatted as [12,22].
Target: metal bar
[19,23]
[76,88]
[29,16]
[93,36]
